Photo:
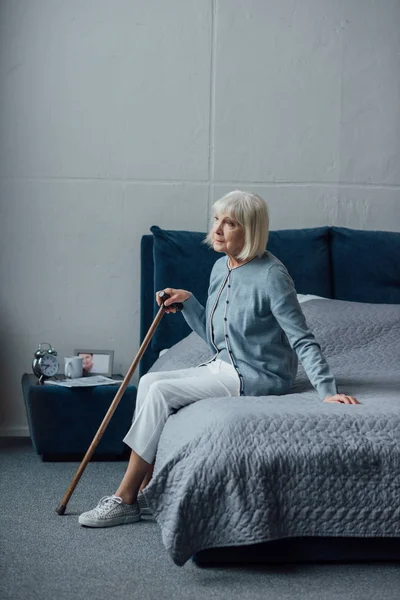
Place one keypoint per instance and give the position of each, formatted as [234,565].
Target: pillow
[305,254]
[304,297]
[189,352]
[366,265]
[181,260]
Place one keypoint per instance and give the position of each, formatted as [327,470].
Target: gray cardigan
[262,326]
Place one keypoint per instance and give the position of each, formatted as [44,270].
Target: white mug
[73,367]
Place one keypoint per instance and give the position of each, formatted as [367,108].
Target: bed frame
[290,550]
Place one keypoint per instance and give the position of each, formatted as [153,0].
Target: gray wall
[119,114]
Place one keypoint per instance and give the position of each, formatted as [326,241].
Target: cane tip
[61,509]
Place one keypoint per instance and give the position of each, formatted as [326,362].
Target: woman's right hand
[175,296]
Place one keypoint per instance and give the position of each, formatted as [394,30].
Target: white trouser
[159,394]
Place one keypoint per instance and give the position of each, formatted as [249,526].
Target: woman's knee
[161,396]
[157,391]
[154,401]
[149,378]
[144,384]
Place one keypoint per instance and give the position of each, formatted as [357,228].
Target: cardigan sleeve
[194,314]
[287,311]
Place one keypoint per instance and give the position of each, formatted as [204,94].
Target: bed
[285,478]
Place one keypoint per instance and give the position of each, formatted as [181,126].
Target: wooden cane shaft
[62,506]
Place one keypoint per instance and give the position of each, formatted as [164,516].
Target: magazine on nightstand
[84,381]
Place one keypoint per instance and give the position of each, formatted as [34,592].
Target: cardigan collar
[238,267]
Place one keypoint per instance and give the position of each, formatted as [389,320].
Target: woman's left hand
[341,399]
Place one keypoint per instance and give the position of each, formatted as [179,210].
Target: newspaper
[84,381]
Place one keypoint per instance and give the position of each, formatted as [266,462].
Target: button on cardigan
[220,324]
[265,331]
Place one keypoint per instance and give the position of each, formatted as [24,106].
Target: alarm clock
[45,362]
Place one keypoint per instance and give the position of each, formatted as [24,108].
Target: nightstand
[63,421]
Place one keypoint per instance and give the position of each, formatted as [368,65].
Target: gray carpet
[46,556]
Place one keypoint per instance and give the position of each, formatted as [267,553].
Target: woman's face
[227,235]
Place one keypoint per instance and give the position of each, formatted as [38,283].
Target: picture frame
[96,362]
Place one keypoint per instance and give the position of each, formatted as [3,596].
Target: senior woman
[256,328]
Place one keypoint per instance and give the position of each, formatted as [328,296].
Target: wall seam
[211,132]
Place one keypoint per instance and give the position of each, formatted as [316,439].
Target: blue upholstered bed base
[343,255]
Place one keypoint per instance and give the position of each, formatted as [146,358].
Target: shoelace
[106,503]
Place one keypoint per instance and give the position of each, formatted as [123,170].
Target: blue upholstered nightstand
[63,421]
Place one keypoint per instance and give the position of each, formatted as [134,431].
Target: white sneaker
[110,511]
[143,506]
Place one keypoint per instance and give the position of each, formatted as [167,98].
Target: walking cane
[63,504]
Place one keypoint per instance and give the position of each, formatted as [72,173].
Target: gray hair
[251,212]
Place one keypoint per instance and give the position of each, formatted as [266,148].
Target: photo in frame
[96,362]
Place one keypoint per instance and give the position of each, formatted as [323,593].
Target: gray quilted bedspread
[244,470]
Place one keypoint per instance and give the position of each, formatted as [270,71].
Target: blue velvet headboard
[334,262]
